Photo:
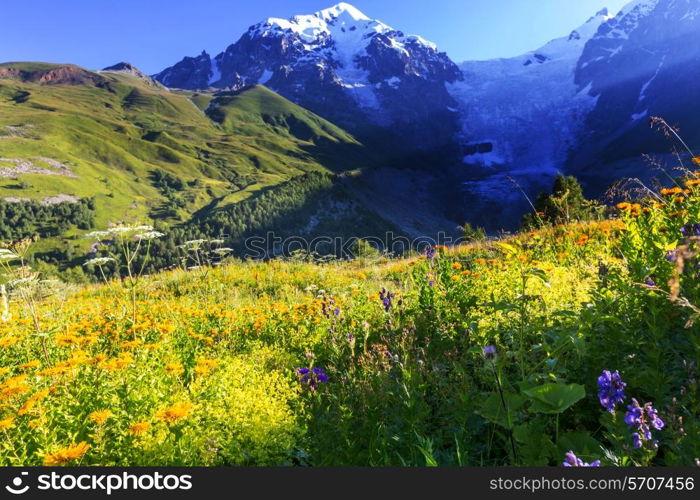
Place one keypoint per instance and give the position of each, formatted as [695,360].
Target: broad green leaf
[538,273]
[492,408]
[580,443]
[554,397]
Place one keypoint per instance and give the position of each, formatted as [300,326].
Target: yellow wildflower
[130,344]
[68,454]
[175,368]
[138,428]
[671,191]
[14,386]
[204,366]
[35,363]
[31,402]
[175,412]
[100,417]
[7,423]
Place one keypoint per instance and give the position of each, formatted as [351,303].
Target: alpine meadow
[329,244]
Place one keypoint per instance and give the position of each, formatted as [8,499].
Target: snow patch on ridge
[215,72]
[639,116]
[645,87]
[265,77]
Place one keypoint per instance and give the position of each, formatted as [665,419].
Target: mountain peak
[342,10]
[588,29]
[570,47]
[128,68]
[327,23]
[121,66]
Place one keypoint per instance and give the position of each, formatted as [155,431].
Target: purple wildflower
[573,461]
[634,415]
[640,418]
[636,440]
[653,417]
[326,306]
[430,252]
[312,376]
[489,351]
[691,229]
[650,283]
[386,297]
[610,390]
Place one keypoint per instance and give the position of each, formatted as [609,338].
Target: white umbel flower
[222,251]
[193,243]
[150,235]
[97,235]
[98,261]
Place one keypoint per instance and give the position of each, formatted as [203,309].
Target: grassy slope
[113,136]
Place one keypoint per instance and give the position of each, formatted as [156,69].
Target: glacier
[526,112]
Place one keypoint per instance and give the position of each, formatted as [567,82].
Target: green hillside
[143,152]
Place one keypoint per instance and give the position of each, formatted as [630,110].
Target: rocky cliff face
[644,62]
[190,73]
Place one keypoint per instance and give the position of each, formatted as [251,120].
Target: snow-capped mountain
[579,104]
[340,64]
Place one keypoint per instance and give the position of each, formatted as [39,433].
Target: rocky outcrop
[129,69]
[50,74]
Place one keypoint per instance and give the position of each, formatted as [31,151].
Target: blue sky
[153,34]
